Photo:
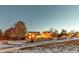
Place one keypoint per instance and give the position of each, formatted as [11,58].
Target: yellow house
[32,36]
[47,35]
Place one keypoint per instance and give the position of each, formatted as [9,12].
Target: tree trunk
[20,37]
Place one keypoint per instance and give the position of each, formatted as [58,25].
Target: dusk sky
[40,18]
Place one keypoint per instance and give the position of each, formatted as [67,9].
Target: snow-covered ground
[15,46]
[53,49]
[48,49]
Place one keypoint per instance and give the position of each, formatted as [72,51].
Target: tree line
[17,32]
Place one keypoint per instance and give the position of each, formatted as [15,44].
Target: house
[47,35]
[33,36]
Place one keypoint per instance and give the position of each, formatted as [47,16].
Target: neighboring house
[32,36]
[47,35]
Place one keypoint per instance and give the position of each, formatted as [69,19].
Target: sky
[40,17]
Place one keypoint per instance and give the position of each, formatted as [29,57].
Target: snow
[17,42]
[15,46]
[6,46]
[56,49]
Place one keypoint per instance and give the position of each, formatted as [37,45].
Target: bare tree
[54,31]
[20,29]
[10,33]
[63,32]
